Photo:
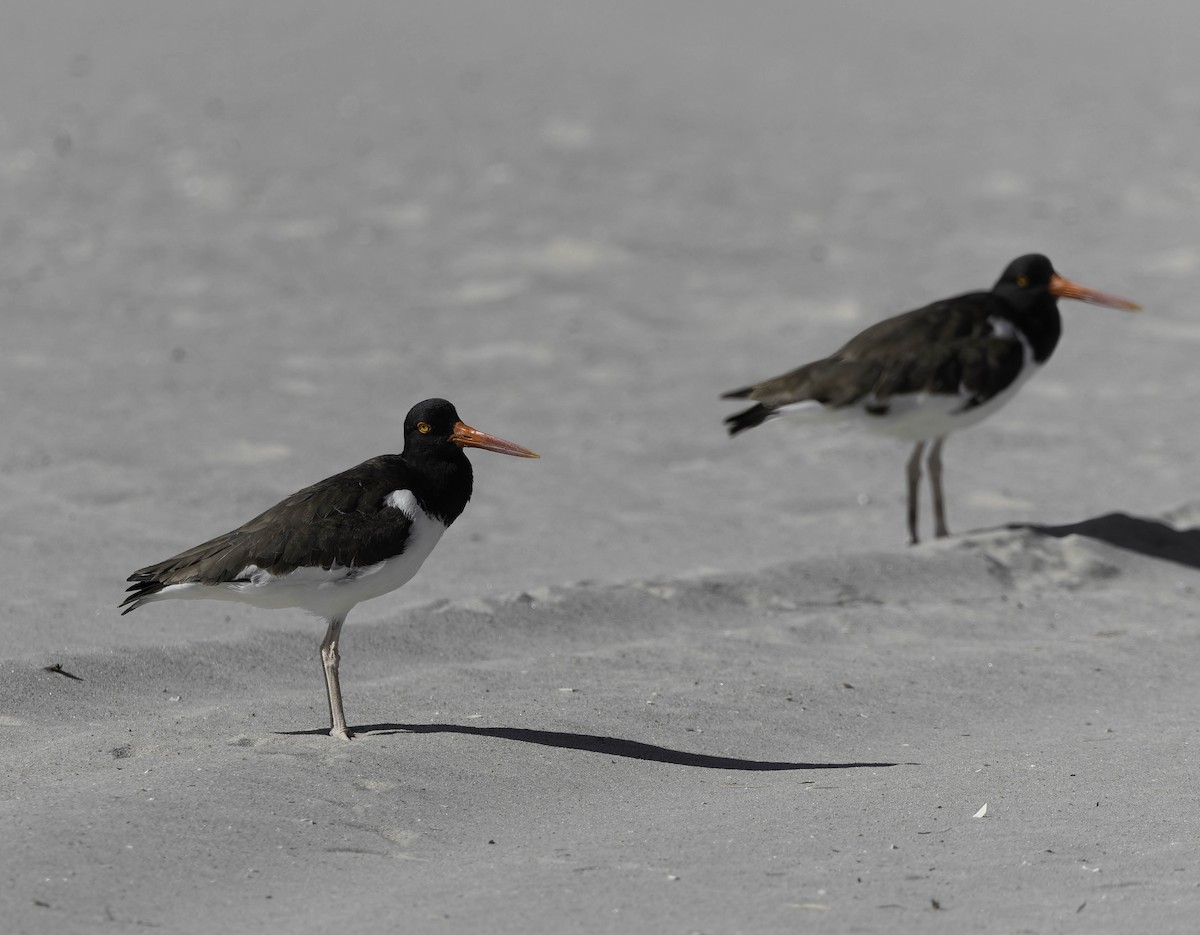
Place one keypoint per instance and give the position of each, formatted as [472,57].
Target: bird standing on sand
[349,538]
[923,374]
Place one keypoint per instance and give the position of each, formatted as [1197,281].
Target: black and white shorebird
[931,371]
[351,537]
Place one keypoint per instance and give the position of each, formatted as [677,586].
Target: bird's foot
[342,733]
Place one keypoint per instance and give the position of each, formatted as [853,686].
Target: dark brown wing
[936,348]
[961,318]
[340,521]
[980,368]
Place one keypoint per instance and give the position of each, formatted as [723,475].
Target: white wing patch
[405,502]
[1005,330]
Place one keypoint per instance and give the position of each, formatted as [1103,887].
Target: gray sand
[658,681]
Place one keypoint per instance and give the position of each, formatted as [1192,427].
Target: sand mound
[613,740]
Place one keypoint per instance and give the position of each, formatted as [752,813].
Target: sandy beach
[659,680]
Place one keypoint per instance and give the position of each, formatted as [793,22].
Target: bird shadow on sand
[1150,537]
[608,746]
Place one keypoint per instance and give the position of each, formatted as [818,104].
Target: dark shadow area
[1150,537]
[609,746]
[57,669]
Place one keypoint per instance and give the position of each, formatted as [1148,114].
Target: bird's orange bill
[1065,289]
[466,437]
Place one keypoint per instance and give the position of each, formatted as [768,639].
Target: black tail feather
[749,418]
[141,589]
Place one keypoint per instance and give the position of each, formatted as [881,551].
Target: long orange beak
[1066,289]
[466,437]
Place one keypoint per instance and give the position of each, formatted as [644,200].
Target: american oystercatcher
[351,537]
[926,373]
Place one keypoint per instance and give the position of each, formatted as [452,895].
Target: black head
[429,425]
[1026,281]
[433,426]
[1030,281]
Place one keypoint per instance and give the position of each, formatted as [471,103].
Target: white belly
[926,416]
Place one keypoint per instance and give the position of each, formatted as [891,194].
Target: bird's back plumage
[967,348]
[345,521]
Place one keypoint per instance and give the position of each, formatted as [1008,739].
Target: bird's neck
[1042,327]
[446,486]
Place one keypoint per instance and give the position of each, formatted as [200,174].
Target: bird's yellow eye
[1022,281]
[424,428]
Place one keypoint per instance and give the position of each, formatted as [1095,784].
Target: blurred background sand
[239,244]
[239,241]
